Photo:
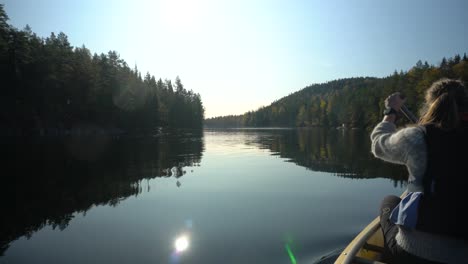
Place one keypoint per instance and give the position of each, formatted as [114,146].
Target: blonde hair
[444,100]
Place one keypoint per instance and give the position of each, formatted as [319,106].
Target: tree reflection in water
[47,181]
[345,153]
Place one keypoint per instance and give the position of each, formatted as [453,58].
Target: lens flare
[181,243]
[290,254]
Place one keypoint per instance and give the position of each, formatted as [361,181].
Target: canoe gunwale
[350,253]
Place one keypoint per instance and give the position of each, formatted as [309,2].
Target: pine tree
[179,86]
[4,26]
[456,59]
[443,63]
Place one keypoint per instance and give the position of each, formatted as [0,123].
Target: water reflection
[51,179]
[345,153]
[181,243]
[242,193]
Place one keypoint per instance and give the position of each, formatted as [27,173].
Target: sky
[240,55]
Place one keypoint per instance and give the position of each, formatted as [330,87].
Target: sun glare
[181,15]
[181,243]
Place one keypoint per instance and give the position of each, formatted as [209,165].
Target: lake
[211,196]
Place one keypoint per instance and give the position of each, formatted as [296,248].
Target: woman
[428,225]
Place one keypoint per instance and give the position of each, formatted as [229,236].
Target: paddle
[406,112]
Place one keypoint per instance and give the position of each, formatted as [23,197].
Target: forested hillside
[354,102]
[49,85]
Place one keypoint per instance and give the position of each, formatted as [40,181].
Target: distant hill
[352,102]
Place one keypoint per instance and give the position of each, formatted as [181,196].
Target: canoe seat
[373,247]
[369,247]
[359,260]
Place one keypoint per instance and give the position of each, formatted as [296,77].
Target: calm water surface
[233,196]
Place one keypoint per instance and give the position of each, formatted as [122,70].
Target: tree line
[50,85]
[352,102]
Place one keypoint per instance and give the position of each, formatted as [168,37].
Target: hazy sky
[243,54]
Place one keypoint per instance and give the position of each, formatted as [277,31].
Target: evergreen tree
[456,59]
[179,86]
[53,86]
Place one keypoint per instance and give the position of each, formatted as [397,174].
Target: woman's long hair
[445,99]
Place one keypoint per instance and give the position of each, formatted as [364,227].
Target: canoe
[367,247]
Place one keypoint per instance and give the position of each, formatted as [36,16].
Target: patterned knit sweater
[407,146]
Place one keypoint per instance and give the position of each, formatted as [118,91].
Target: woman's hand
[395,101]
